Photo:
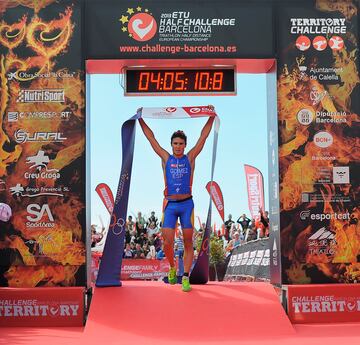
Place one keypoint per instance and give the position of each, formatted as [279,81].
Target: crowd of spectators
[143,238]
[245,229]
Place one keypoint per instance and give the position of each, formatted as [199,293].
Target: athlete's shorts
[179,209]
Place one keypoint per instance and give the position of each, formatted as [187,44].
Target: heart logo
[142,27]
[195,110]
[141,32]
[54,310]
[351,306]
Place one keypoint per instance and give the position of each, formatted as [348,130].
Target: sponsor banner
[217,197]
[138,269]
[42,307]
[250,260]
[134,269]
[317,122]
[110,267]
[16,116]
[325,303]
[255,190]
[41,96]
[42,165]
[177,112]
[158,29]
[106,196]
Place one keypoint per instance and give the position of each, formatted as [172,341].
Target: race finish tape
[110,266]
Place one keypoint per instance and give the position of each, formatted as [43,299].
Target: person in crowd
[236,241]
[233,230]
[152,225]
[259,228]
[252,231]
[128,253]
[152,253]
[140,224]
[146,249]
[160,254]
[179,242]
[179,254]
[157,242]
[133,236]
[228,225]
[264,219]
[129,229]
[198,235]
[142,239]
[130,225]
[178,169]
[244,222]
[139,252]
[96,237]
[262,224]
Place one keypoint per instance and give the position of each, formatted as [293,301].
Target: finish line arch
[314,185]
[110,268]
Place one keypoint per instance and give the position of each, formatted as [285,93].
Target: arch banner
[255,190]
[217,197]
[110,267]
[106,196]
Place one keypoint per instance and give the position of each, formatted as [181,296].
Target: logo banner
[217,197]
[42,144]
[140,269]
[106,196]
[42,307]
[134,269]
[174,29]
[255,189]
[318,140]
[110,267]
[177,112]
[325,303]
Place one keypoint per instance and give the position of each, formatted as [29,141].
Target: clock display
[180,81]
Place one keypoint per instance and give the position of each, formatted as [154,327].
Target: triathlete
[178,169]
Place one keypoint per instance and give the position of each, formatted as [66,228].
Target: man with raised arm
[178,169]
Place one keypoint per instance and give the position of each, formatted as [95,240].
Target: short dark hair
[179,134]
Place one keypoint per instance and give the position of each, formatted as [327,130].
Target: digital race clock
[180,81]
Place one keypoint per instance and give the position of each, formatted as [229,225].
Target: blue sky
[242,140]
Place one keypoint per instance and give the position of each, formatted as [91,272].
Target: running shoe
[172,278]
[185,284]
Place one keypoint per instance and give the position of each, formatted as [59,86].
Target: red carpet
[215,313]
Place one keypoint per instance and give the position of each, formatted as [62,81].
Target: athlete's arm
[194,152]
[153,142]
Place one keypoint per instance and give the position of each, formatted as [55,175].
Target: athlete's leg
[168,233]
[187,224]
[168,236]
[188,249]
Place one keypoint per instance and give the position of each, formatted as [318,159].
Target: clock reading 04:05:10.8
[180,81]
